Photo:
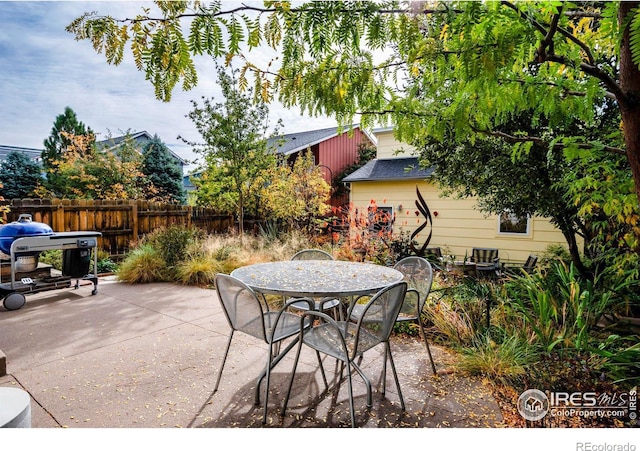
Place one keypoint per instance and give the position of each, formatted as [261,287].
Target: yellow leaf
[444,31]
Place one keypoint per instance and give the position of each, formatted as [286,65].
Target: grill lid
[24,226]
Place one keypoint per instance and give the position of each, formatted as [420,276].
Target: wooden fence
[121,222]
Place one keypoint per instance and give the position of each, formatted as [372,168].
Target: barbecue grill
[22,241]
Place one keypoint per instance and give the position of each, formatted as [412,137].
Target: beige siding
[388,146]
[457,225]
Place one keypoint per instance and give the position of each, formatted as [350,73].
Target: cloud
[43,70]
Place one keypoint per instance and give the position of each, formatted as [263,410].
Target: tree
[20,176]
[297,193]
[235,146]
[87,174]
[163,172]
[55,146]
[455,69]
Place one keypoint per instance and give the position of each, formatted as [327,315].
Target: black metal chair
[486,261]
[246,313]
[517,270]
[346,341]
[324,304]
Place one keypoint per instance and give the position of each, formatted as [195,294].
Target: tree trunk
[630,102]
[565,227]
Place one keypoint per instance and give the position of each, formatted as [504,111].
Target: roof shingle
[389,169]
[34,154]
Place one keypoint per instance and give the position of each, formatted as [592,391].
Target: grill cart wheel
[14,301]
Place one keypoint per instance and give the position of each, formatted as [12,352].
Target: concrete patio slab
[147,356]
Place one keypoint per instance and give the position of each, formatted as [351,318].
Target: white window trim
[391,210]
[526,234]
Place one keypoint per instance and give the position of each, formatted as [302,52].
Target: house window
[381,219]
[513,224]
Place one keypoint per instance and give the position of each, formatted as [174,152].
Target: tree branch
[594,71]
[537,140]
[548,39]
[589,67]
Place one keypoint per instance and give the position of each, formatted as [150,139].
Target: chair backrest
[312,254]
[531,262]
[241,306]
[379,315]
[484,255]
[418,273]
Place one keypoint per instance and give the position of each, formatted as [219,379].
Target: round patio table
[317,278]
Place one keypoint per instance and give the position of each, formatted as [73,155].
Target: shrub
[454,325]
[502,360]
[143,265]
[172,242]
[52,257]
[554,253]
[198,270]
[559,306]
[106,265]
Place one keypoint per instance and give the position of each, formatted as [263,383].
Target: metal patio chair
[246,313]
[418,273]
[324,304]
[346,341]
[517,270]
[487,261]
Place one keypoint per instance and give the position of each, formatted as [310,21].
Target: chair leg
[266,386]
[224,359]
[395,374]
[384,372]
[352,409]
[366,382]
[273,363]
[293,373]
[426,343]
[324,376]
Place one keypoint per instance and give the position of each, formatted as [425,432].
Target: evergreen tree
[65,127]
[19,176]
[163,171]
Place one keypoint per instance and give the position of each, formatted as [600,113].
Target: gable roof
[389,169]
[295,142]
[143,136]
[34,154]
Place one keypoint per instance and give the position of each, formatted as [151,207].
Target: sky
[43,69]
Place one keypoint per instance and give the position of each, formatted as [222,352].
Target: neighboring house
[34,154]
[332,150]
[187,183]
[391,181]
[140,139]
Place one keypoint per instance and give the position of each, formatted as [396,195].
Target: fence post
[57,215]
[134,219]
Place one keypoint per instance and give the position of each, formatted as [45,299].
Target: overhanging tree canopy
[435,69]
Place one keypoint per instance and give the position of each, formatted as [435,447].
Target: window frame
[527,231]
[375,226]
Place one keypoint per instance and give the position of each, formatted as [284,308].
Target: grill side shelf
[51,283]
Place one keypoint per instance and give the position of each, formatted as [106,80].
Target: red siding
[336,154]
[340,151]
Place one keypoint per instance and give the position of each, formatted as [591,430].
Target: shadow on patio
[148,355]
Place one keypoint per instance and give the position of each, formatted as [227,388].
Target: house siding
[458,225]
[340,151]
[388,146]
